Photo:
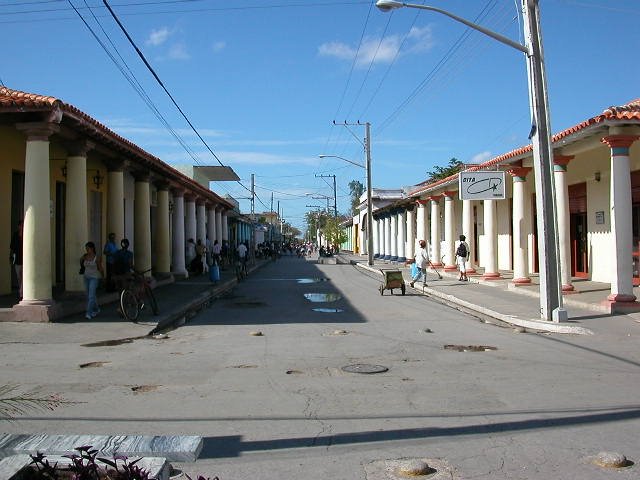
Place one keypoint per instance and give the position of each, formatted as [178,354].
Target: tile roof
[623,113]
[17,101]
[16,98]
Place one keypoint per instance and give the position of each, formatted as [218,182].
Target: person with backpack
[462,256]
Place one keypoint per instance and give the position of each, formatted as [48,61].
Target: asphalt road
[279,405]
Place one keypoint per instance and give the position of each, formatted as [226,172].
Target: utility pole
[271,220]
[367,148]
[335,198]
[252,248]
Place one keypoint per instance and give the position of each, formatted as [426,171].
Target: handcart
[392,279]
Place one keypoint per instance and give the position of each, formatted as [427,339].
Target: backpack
[462,250]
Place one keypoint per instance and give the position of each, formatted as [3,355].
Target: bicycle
[134,294]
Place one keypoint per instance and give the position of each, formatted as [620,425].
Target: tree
[333,232]
[356,189]
[439,173]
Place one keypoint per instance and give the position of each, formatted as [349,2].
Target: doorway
[579,257]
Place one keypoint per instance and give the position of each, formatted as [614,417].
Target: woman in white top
[422,260]
[91,267]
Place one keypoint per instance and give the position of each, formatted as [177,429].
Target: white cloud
[218,46]
[481,157]
[178,51]
[158,37]
[374,50]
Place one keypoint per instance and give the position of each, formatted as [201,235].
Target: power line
[155,75]
[130,77]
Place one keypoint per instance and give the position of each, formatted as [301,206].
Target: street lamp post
[367,167]
[550,287]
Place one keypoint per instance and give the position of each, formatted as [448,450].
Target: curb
[473,308]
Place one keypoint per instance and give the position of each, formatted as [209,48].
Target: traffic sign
[481,185]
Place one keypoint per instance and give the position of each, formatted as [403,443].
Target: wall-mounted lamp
[64,169]
[170,206]
[98,179]
[597,176]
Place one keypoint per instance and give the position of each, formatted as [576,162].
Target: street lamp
[550,285]
[369,206]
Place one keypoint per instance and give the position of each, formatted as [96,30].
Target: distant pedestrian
[109,250]
[91,266]
[15,254]
[462,255]
[215,252]
[422,260]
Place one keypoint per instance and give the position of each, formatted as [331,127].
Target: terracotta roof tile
[628,111]
[9,97]
[15,99]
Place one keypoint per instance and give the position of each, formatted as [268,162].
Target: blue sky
[263,80]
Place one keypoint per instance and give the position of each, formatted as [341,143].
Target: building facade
[70,180]
[596,171]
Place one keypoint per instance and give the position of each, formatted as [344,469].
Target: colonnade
[397,230]
[189,216]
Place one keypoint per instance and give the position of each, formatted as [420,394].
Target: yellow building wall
[12,154]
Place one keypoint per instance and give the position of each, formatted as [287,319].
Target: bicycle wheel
[152,300]
[129,305]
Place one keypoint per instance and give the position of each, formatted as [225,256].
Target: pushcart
[392,279]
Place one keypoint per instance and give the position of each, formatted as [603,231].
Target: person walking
[109,251]
[15,254]
[91,267]
[215,252]
[462,256]
[422,260]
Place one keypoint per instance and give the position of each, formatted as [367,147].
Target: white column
[449,232]
[219,224]
[421,222]
[468,230]
[75,225]
[435,230]
[387,237]
[142,226]
[211,224]
[520,232]
[402,225]
[225,225]
[394,236]
[178,246]
[560,163]
[190,229]
[115,204]
[376,238]
[621,224]
[161,236]
[489,253]
[36,242]
[411,234]
[381,237]
[201,227]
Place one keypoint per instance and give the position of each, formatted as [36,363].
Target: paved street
[279,405]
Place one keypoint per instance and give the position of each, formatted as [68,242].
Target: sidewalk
[503,301]
[177,301]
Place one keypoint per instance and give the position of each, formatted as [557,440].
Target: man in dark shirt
[122,264]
